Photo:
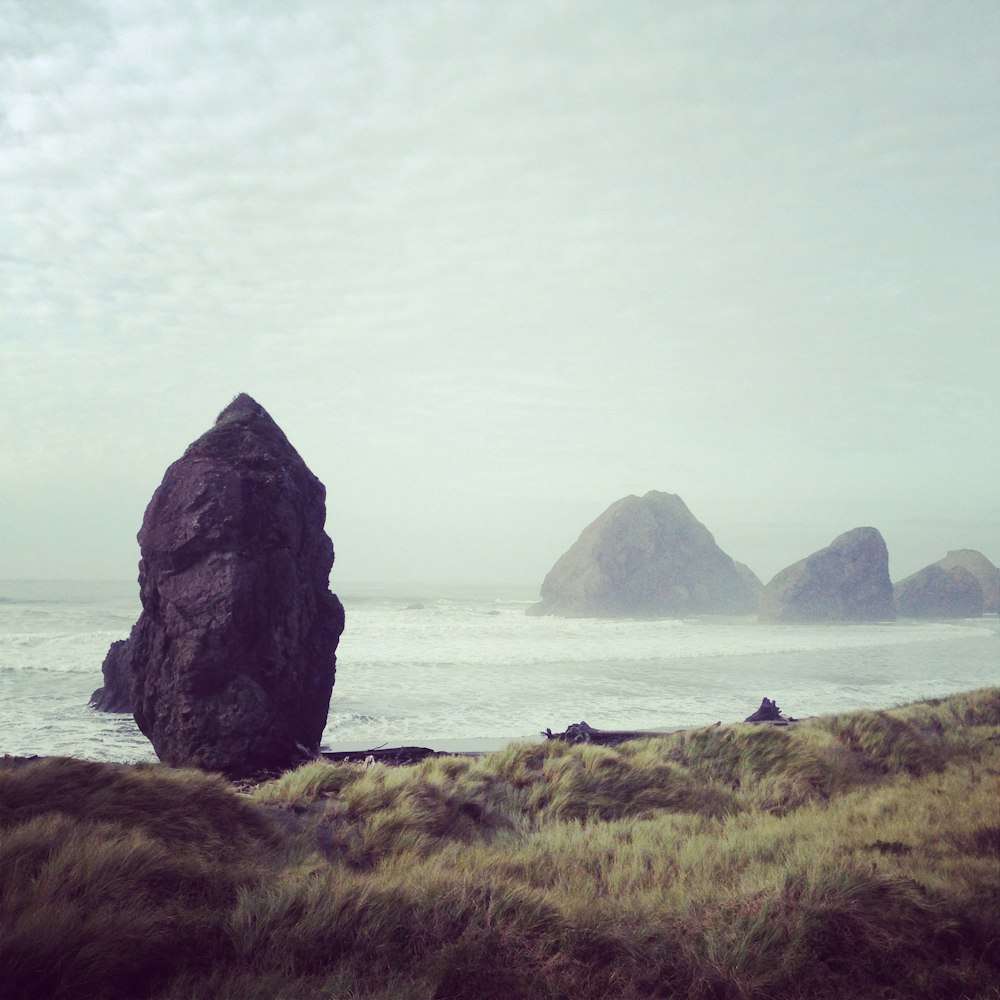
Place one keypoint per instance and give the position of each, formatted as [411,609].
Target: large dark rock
[647,557]
[935,592]
[848,580]
[232,660]
[982,569]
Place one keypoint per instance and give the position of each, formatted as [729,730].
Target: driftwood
[382,755]
[769,712]
[580,732]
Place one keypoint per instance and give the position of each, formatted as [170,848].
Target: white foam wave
[58,652]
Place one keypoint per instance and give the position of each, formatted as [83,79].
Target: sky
[493,266]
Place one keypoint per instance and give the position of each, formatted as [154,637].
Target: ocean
[464,668]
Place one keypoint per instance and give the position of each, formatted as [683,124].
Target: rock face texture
[232,661]
[982,569]
[647,557]
[935,592]
[848,580]
[115,695]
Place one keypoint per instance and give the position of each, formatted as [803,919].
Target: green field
[850,856]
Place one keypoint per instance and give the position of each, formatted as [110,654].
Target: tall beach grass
[853,856]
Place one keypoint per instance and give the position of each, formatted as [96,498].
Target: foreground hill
[850,856]
[647,557]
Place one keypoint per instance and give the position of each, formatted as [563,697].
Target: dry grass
[856,856]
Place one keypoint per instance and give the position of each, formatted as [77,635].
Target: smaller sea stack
[935,592]
[846,581]
[982,569]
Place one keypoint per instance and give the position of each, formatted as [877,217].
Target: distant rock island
[982,569]
[846,581]
[231,663]
[964,584]
[935,592]
[647,557]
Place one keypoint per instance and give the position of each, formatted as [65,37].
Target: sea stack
[935,592]
[231,663]
[846,581]
[982,569]
[647,557]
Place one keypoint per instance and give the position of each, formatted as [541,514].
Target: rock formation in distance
[646,557]
[935,592]
[231,663]
[847,581]
[982,569]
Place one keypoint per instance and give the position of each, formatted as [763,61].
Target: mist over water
[439,666]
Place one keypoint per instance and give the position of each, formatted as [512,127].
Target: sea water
[460,667]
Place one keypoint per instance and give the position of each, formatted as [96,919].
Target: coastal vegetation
[849,856]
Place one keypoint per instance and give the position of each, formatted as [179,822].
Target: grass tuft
[179,806]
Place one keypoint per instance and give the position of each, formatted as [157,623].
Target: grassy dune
[854,856]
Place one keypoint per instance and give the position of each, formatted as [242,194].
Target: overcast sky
[493,266]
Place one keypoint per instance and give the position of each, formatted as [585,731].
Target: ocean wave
[482,668]
[61,652]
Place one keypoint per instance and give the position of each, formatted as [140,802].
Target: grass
[854,856]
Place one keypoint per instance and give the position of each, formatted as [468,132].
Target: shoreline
[413,752]
[344,752]
[462,745]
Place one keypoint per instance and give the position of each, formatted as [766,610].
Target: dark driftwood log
[768,712]
[580,732]
[382,755]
